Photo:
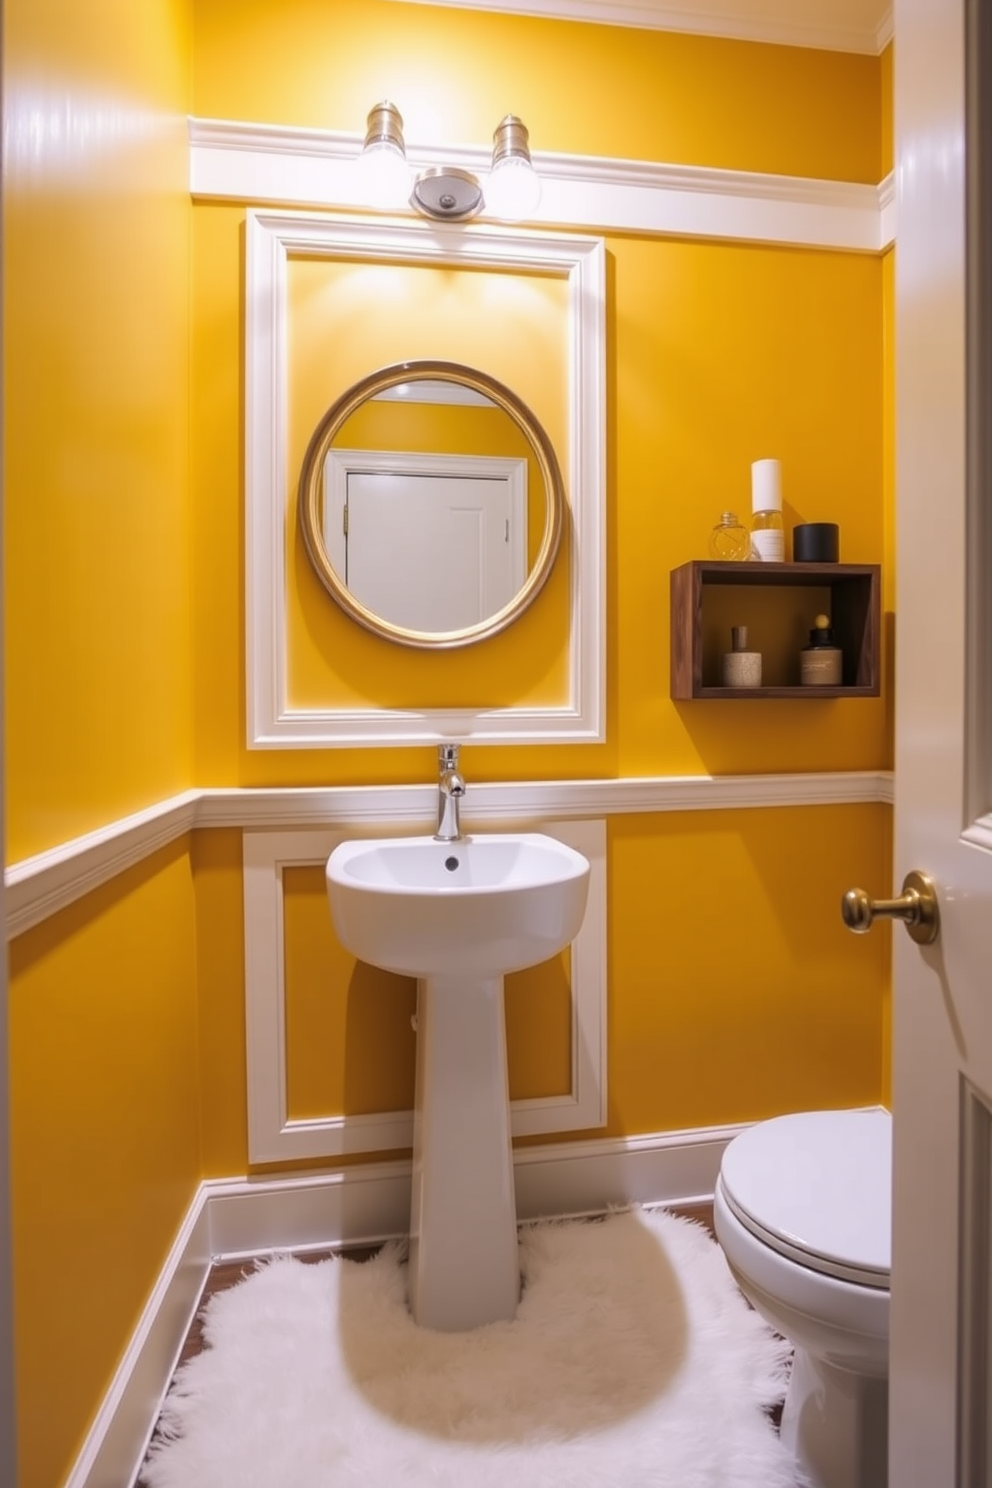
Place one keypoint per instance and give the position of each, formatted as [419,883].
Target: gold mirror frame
[311,500]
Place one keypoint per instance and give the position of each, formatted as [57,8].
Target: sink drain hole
[451,864]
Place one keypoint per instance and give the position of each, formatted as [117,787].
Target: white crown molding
[274,1136]
[822,24]
[236,1218]
[40,886]
[271,238]
[885,31]
[261,163]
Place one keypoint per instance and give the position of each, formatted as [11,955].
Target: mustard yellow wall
[95,225]
[735,993]
[105,1148]
[220,972]
[103,1046]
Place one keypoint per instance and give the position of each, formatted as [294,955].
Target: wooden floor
[228,1273]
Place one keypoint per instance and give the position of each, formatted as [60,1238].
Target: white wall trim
[273,1136]
[271,238]
[807,26]
[262,163]
[241,1217]
[886,31]
[40,886]
[887,211]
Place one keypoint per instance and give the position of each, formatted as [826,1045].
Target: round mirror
[431,504]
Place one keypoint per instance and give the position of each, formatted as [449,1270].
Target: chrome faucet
[450,789]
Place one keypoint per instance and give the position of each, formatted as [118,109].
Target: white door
[941,1372]
[427,541]
[431,552]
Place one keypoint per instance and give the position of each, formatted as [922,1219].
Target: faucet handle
[447,756]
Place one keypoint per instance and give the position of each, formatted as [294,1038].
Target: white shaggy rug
[633,1362]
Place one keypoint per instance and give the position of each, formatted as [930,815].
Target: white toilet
[803,1212]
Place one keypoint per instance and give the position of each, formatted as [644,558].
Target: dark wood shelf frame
[855,611]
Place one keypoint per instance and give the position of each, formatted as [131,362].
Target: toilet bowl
[802,1210]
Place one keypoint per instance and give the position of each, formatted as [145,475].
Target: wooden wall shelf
[768,598]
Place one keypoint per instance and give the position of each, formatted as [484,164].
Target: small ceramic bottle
[741,667]
[730,540]
[821,663]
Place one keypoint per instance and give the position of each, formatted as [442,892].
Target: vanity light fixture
[447,193]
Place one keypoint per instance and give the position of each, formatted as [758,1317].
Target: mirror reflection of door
[427,541]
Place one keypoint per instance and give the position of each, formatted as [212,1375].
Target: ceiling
[838,25]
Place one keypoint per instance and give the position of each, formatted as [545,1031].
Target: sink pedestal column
[464,1270]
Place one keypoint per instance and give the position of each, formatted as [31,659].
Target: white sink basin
[479,907]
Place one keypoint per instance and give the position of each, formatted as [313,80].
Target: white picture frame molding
[274,1137]
[271,238]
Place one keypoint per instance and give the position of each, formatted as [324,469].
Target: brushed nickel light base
[447,194]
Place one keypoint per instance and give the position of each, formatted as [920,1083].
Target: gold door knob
[916,907]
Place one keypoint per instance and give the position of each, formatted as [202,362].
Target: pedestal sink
[458,916]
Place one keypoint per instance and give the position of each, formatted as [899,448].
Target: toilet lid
[816,1187]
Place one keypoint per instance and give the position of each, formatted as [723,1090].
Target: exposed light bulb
[384,176]
[383,172]
[513,190]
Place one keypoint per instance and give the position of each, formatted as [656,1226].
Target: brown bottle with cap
[821,663]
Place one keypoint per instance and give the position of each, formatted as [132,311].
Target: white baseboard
[231,1218]
[116,1442]
[573,1178]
